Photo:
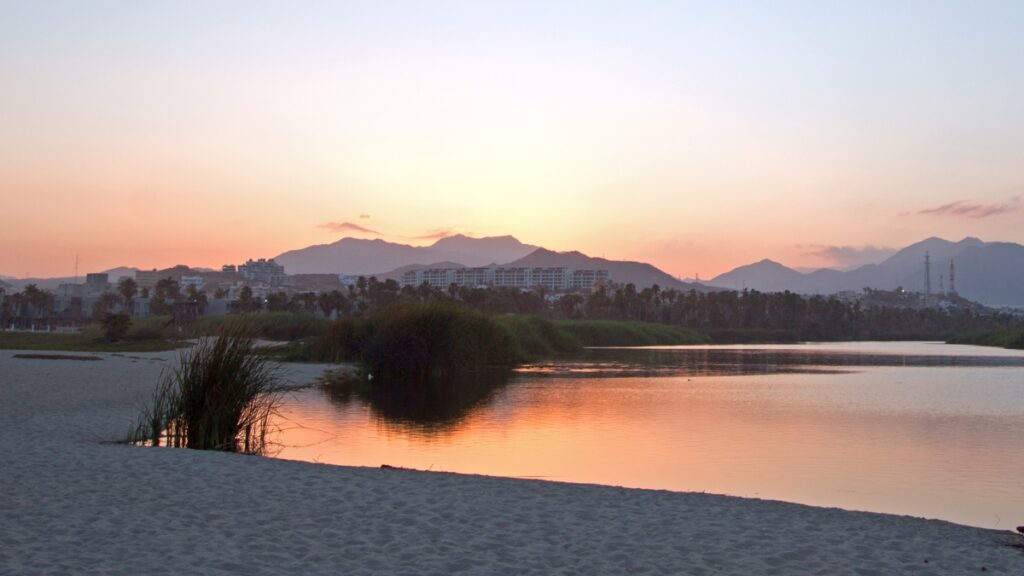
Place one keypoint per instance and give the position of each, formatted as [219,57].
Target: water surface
[924,429]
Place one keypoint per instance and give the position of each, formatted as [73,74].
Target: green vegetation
[629,333]
[445,338]
[220,396]
[537,337]
[281,326]
[115,326]
[422,342]
[1013,338]
[119,333]
[88,341]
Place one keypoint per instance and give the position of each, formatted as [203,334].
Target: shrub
[115,326]
[416,342]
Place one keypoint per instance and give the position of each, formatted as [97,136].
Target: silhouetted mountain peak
[988,272]
[357,256]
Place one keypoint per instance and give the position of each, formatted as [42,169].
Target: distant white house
[195,281]
[497,276]
[147,278]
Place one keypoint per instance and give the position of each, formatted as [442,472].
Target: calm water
[909,428]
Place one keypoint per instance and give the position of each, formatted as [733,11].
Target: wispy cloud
[965,209]
[435,235]
[848,256]
[347,227]
[364,216]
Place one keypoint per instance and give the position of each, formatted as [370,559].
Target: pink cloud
[347,227]
[435,235]
[965,209]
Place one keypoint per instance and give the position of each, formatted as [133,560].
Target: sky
[698,136]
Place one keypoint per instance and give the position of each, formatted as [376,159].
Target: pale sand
[72,505]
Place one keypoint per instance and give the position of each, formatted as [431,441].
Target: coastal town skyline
[681,135]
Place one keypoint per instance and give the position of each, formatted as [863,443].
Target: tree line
[726,316]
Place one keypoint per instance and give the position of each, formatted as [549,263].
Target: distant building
[264,271]
[555,279]
[147,279]
[229,268]
[97,282]
[196,281]
[218,307]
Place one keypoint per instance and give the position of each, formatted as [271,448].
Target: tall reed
[220,396]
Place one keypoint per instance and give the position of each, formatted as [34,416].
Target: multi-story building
[555,279]
[97,282]
[196,281]
[264,271]
[147,279]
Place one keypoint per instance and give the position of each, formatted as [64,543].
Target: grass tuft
[220,396]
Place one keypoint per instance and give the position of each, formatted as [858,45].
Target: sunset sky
[697,136]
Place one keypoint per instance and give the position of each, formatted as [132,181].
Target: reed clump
[221,395]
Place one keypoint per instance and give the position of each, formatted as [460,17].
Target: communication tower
[927,278]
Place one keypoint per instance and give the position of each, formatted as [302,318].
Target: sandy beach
[74,502]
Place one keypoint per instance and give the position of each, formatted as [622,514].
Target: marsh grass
[629,333]
[1012,338]
[221,395]
[279,326]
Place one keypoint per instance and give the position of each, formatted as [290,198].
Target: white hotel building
[554,279]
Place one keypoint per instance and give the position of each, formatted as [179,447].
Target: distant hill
[52,283]
[355,256]
[991,273]
[488,249]
[640,274]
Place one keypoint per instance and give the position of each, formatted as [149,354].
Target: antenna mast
[952,277]
[76,268]
[927,278]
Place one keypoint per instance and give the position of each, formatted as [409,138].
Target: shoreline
[74,505]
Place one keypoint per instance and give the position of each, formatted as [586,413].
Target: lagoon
[918,428]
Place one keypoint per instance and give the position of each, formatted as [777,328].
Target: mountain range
[991,273]
[354,256]
[53,283]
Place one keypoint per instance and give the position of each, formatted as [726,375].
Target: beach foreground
[71,502]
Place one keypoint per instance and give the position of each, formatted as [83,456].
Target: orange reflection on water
[897,440]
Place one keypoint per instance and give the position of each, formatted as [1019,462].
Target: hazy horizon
[695,136]
[870,255]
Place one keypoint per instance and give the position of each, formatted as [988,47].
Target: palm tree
[104,305]
[128,288]
[40,302]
